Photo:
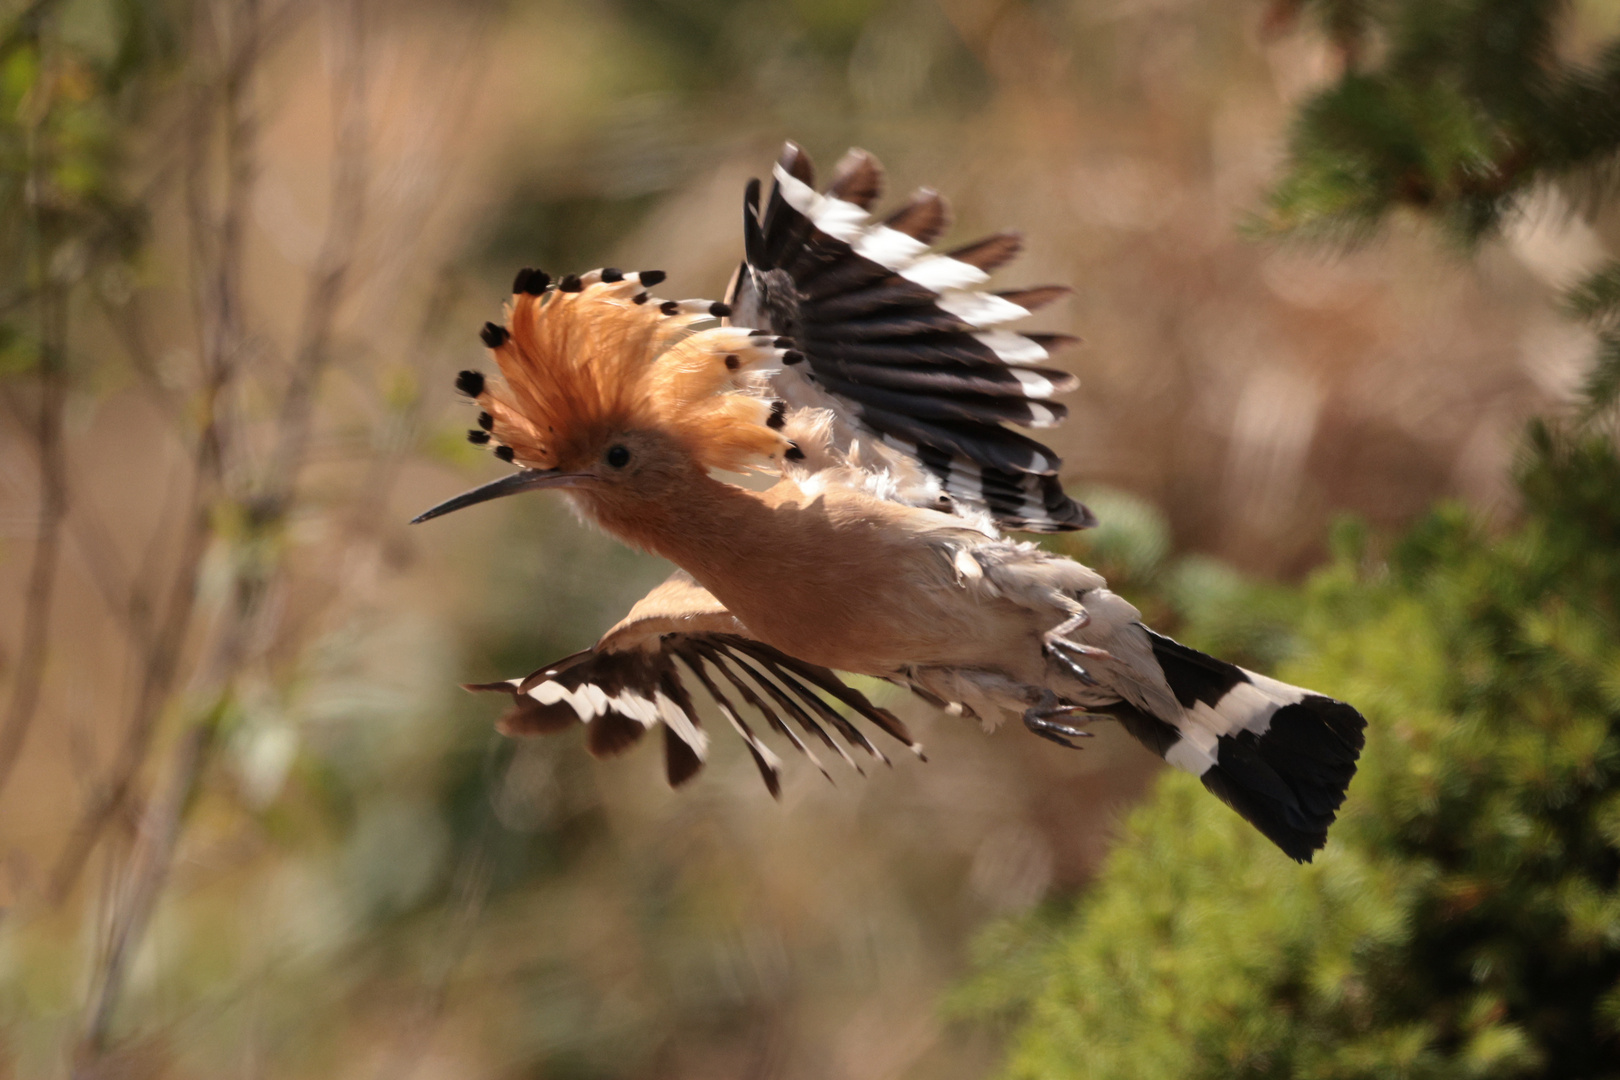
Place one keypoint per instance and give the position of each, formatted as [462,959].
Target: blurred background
[248,824]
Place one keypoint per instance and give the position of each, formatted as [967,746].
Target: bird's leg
[1039,719]
[1056,644]
[1078,621]
[1057,653]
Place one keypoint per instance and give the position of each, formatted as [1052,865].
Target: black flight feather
[767,772]
[793,709]
[969,408]
[681,760]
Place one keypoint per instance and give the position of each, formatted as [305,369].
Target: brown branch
[330,277]
[158,672]
[25,692]
[126,600]
[129,323]
[159,835]
[220,310]
[218,307]
[403,428]
[53,499]
[220,317]
[396,432]
[255,583]
[126,596]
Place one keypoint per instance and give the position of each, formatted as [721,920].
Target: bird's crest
[595,355]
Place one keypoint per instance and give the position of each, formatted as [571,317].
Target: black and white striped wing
[620,695]
[900,341]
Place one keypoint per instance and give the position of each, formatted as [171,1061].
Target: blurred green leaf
[1475,856]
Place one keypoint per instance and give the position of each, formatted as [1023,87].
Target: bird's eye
[618,457]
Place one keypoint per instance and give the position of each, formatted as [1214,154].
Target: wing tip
[620,695]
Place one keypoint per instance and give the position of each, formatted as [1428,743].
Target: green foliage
[1597,300]
[1467,106]
[72,77]
[1464,920]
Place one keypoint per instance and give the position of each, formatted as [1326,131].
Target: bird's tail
[1280,755]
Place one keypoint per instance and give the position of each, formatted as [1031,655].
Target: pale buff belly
[877,621]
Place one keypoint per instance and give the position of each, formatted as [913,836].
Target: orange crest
[596,356]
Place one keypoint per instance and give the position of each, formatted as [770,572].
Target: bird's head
[615,395]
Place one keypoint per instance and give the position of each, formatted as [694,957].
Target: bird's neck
[793,578]
[700,524]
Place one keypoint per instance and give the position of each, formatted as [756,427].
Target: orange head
[612,392]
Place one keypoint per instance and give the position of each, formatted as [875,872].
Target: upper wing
[899,342]
[629,681]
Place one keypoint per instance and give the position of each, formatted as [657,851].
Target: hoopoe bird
[872,377]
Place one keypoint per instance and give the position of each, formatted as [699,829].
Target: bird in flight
[872,377]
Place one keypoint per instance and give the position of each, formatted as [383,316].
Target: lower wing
[629,682]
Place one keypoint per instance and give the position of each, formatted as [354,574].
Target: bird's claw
[1058,638]
[1068,662]
[1053,731]
[1055,640]
[1039,719]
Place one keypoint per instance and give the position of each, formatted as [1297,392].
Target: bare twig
[166,635]
[25,692]
[221,311]
[52,306]
[402,428]
[129,322]
[125,597]
[219,317]
[157,680]
[330,277]
[132,909]
[256,583]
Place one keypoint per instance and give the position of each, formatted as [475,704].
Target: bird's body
[837,578]
[867,373]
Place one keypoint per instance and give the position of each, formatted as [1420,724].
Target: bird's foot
[1063,658]
[1039,718]
[1055,640]
[1058,636]
[1060,648]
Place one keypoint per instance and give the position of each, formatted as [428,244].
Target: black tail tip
[1290,780]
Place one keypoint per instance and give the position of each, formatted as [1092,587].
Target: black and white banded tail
[901,337]
[1280,755]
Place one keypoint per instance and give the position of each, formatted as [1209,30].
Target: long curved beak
[526,480]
